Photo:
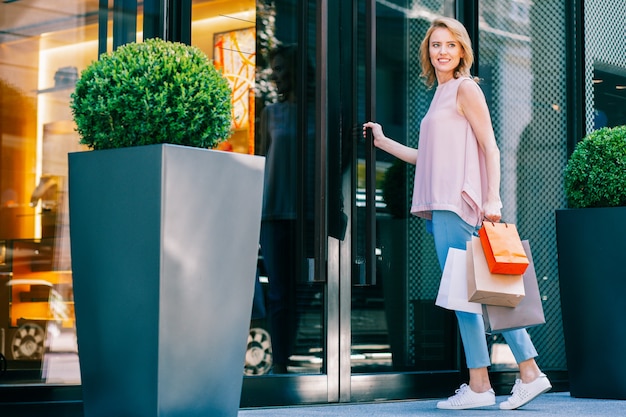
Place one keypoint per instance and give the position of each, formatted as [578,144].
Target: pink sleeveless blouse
[450,172]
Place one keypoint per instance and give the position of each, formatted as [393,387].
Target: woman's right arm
[400,151]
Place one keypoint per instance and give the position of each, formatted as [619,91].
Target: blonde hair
[460,33]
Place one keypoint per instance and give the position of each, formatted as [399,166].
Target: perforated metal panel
[605,48]
[523,60]
[423,268]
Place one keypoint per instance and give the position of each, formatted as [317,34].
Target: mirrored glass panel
[609,95]
[260,48]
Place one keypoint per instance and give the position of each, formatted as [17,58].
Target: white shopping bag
[453,286]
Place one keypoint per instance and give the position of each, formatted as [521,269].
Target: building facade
[357,320]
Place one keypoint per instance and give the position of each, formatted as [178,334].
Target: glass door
[398,335]
[358,309]
[287,341]
[361,306]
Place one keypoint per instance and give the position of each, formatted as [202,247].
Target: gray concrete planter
[164,245]
[591,246]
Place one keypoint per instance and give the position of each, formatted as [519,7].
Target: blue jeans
[450,231]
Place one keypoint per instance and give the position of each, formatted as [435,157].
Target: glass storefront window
[605,65]
[394,325]
[226,32]
[256,45]
[609,96]
[43,47]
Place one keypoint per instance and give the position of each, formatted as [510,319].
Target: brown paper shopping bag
[453,286]
[503,248]
[486,287]
[528,313]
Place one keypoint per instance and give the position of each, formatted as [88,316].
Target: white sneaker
[465,398]
[524,393]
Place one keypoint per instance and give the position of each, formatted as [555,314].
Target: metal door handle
[370,151]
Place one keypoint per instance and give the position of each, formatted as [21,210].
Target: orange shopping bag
[503,248]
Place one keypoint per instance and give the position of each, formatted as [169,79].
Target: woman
[457,182]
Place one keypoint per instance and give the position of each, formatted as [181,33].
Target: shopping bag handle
[492,222]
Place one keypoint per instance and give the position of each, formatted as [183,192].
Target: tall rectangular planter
[164,243]
[591,246]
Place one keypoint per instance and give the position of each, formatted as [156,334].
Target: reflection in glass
[285,135]
[43,48]
[256,46]
[609,96]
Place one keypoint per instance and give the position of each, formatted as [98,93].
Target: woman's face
[281,75]
[445,53]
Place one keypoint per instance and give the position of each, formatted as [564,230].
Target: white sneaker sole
[443,406]
[506,406]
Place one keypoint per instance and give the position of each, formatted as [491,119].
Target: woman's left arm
[472,104]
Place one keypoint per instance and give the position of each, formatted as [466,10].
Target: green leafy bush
[595,175]
[152,92]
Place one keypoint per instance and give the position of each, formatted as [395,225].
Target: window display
[43,47]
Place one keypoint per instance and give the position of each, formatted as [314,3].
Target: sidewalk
[550,404]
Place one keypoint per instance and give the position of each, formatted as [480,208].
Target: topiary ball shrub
[152,92]
[595,175]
